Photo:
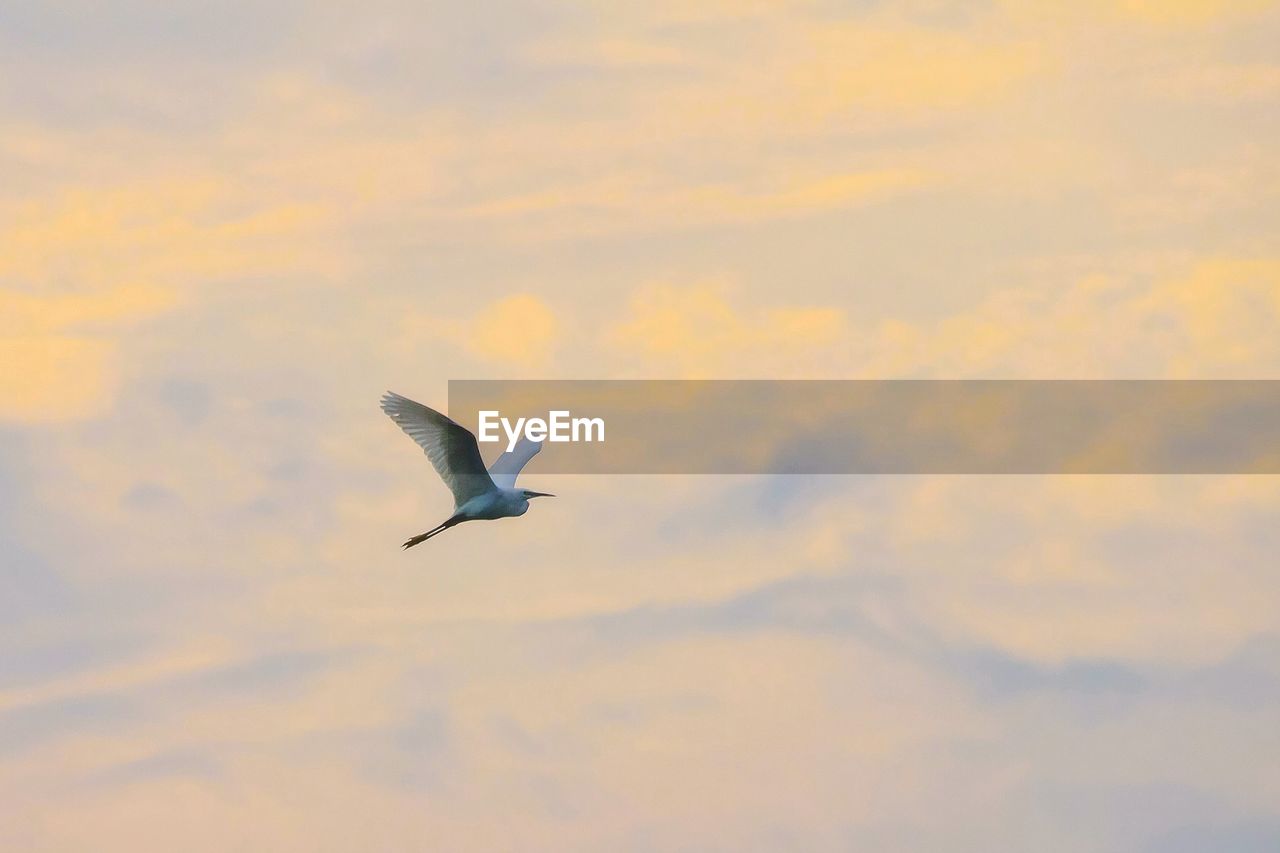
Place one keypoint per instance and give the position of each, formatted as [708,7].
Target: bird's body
[501,503]
[453,451]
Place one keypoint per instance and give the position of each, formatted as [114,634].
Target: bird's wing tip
[391,400]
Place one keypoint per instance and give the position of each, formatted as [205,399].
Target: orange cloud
[518,329]
[519,332]
[58,354]
[697,332]
[1160,13]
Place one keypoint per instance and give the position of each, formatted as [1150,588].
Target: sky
[226,229]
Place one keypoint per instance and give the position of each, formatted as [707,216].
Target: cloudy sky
[226,228]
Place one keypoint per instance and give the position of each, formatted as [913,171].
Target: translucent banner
[880,427]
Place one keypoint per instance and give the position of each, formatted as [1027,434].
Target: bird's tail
[423,537]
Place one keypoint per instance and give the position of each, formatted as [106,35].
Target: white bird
[453,452]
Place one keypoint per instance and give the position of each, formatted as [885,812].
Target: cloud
[635,203]
[875,611]
[1219,83]
[517,333]
[1255,835]
[150,232]
[697,331]
[517,329]
[162,766]
[30,727]
[417,754]
[854,66]
[50,373]
[1173,14]
[227,231]
[55,378]
[1211,318]
[82,266]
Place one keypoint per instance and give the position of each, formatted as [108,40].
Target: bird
[454,453]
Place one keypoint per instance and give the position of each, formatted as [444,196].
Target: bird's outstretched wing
[507,467]
[450,446]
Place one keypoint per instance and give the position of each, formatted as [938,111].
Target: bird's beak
[541,495]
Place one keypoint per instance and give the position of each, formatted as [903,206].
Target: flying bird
[454,454]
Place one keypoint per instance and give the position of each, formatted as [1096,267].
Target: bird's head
[529,493]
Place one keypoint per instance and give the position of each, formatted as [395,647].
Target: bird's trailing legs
[441,528]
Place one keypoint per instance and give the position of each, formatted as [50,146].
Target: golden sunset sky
[227,228]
